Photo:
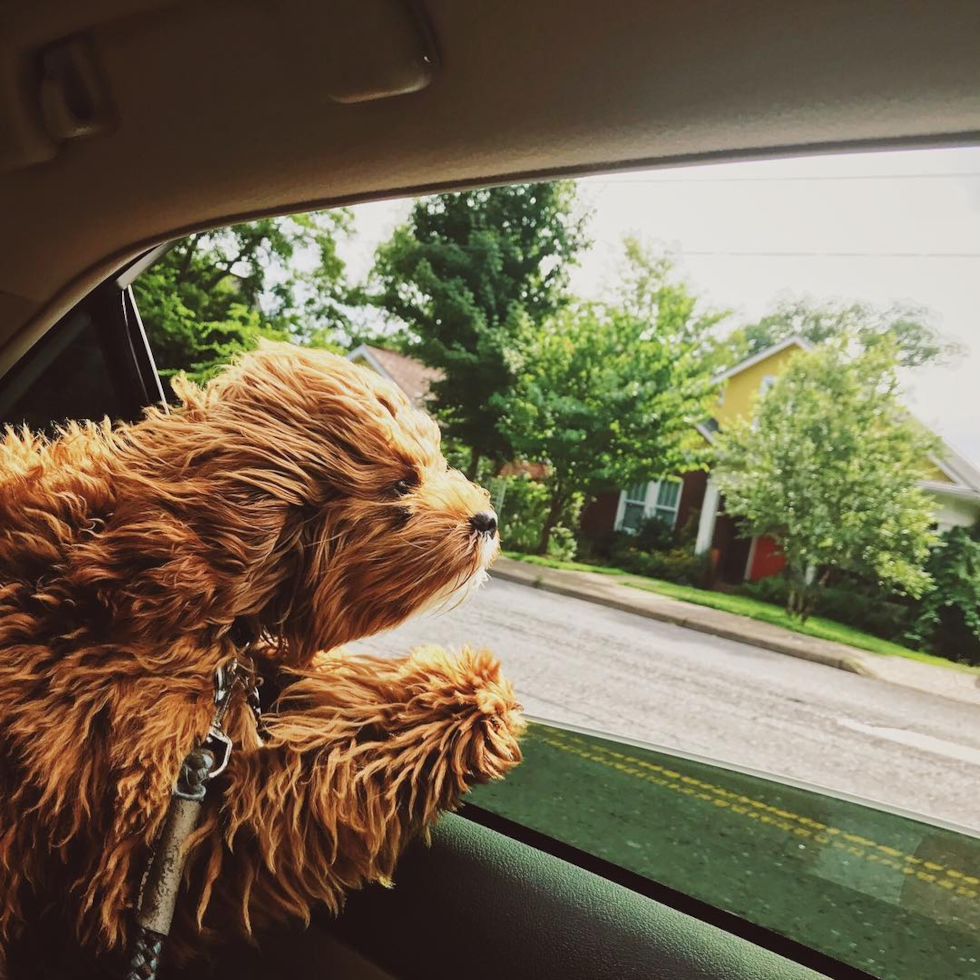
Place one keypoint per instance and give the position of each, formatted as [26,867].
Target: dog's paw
[462,701]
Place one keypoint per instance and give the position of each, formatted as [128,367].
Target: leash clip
[211,757]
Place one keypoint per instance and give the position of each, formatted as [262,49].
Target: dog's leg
[361,755]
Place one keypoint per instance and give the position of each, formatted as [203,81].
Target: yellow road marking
[956,882]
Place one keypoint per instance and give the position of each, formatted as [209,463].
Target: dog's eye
[403,487]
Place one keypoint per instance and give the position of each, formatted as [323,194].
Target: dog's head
[316,502]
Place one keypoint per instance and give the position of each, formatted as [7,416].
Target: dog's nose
[485,522]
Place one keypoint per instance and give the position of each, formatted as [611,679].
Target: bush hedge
[944,622]
[852,603]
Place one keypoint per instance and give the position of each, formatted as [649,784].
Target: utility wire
[782,180]
[831,255]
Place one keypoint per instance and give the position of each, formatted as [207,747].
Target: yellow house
[952,482]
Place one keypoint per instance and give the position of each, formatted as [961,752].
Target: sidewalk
[609,590]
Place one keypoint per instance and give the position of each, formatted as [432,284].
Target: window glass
[634,505]
[668,499]
[65,376]
[895,897]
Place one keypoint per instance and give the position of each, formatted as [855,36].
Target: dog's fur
[297,498]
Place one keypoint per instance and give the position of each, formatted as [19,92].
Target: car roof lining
[518,95]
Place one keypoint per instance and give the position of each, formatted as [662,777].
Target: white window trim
[650,507]
[620,511]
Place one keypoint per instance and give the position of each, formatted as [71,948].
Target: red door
[767,559]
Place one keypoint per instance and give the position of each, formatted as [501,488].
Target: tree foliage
[862,325]
[464,277]
[948,620]
[609,394]
[828,468]
[649,290]
[216,293]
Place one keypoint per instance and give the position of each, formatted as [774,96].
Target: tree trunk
[803,591]
[806,606]
[475,457]
[811,595]
[554,512]
[797,592]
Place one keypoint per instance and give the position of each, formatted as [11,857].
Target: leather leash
[158,895]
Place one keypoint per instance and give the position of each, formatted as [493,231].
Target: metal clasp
[220,744]
[211,757]
[226,678]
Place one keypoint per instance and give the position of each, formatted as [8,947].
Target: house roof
[958,468]
[794,341]
[412,376]
[964,476]
[520,467]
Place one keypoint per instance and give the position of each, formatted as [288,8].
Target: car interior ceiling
[126,123]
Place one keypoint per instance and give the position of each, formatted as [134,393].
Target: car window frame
[111,310]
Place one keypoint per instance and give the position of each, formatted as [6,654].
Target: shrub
[850,601]
[678,565]
[681,566]
[654,534]
[948,620]
[620,547]
[523,512]
[872,610]
[687,534]
[773,588]
[562,543]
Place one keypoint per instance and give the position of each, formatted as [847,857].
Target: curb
[788,647]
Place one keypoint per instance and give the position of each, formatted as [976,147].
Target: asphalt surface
[579,663]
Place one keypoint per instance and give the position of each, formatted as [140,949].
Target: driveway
[579,663]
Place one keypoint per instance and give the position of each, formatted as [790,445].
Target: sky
[880,227]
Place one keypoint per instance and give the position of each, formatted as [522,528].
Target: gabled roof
[958,468]
[795,341]
[412,376]
[964,476]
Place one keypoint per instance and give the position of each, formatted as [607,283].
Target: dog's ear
[201,500]
[176,558]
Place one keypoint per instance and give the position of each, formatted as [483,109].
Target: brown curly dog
[298,499]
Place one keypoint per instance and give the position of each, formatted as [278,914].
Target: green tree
[863,325]
[649,290]
[464,277]
[829,469]
[610,394]
[948,620]
[216,293]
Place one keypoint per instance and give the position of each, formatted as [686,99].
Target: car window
[66,376]
[725,415]
[893,896]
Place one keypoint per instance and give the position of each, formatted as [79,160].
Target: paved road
[579,663]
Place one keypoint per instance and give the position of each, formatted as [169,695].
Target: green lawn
[565,566]
[824,629]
